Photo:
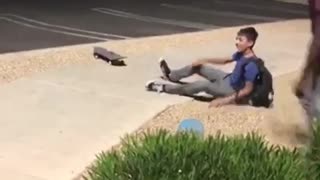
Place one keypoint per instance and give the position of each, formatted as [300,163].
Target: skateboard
[110,57]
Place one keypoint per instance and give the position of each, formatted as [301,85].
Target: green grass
[186,156]
[313,154]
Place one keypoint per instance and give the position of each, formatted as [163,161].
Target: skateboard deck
[108,56]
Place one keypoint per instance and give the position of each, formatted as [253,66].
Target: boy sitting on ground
[228,88]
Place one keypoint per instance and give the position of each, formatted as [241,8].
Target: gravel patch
[282,125]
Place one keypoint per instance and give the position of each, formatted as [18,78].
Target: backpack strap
[243,67]
[258,62]
[243,71]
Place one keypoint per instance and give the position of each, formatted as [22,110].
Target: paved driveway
[43,24]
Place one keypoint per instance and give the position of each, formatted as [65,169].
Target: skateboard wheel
[96,56]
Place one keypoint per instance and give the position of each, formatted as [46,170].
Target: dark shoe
[154,86]
[164,68]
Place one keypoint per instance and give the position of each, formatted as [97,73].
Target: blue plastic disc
[193,125]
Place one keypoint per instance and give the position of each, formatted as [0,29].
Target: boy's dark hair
[250,33]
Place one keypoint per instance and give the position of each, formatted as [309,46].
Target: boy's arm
[232,98]
[212,61]
[224,60]
[251,71]
[245,91]
[218,60]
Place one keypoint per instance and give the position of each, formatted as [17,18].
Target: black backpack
[262,95]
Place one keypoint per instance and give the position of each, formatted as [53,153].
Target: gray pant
[216,83]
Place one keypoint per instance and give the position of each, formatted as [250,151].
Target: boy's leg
[216,88]
[188,89]
[205,71]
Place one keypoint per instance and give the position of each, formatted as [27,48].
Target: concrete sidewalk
[53,123]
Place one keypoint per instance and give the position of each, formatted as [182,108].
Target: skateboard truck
[108,56]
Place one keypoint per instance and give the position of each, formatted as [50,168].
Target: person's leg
[308,86]
[316,100]
[205,71]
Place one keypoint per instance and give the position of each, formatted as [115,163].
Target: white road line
[52,30]
[226,14]
[238,4]
[154,19]
[65,27]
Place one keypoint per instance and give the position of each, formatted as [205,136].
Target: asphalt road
[41,24]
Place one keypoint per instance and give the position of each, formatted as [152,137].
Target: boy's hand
[198,63]
[220,102]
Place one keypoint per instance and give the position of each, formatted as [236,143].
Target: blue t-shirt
[238,78]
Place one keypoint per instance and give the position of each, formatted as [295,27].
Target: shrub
[186,156]
[313,154]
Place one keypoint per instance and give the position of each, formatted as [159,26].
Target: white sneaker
[154,86]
